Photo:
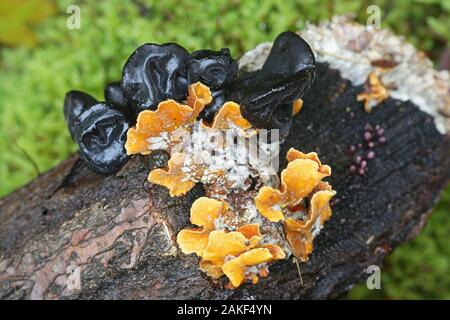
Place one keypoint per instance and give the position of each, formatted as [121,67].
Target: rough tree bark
[119,231]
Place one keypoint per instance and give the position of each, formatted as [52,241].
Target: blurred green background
[41,59]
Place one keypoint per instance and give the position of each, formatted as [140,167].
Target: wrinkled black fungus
[215,69]
[154,73]
[289,55]
[114,95]
[266,95]
[99,129]
[75,102]
[101,138]
[263,98]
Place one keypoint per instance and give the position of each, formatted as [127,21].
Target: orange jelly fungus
[301,233]
[301,187]
[173,178]
[218,247]
[168,116]
[230,113]
[236,269]
[297,106]
[204,212]
[239,250]
[376,93]
[298,180]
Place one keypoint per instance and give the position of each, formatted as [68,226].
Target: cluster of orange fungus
[375,93]
[173,177]
[168,116]
[223,252]
[158,128]
[301,201]
[236,242]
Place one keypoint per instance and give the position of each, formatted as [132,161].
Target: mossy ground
[33,81]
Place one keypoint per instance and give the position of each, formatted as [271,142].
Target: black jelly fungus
[290,54]
[75,102]
[101,138]
[215,69]
[154,73]
[266,95]
[114,94]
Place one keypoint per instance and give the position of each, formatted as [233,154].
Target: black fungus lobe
[215,69]
[75,102]
[266,95]
[114,95]
[101,138]
[154,73]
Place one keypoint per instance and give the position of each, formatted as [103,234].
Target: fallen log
[74,234]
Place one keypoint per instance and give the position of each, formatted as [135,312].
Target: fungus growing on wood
[168,116]
[237,269]
[298,180]
[173,178]
[375,92]
[204,212]
[220,248]
[231,240]
[184,169]
[301,202]
[300,233]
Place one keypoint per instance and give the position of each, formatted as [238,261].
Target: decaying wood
[118,232]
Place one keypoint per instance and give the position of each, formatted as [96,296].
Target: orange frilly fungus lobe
[173,178]
[204,212]
[217,247]
[235,269]
[301,233]
[375,92]
[301,184]
[298,180]
[168,116]
[297,106]
[230,113]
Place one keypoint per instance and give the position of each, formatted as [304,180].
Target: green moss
[33,81]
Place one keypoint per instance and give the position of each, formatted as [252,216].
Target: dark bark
[120,230]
